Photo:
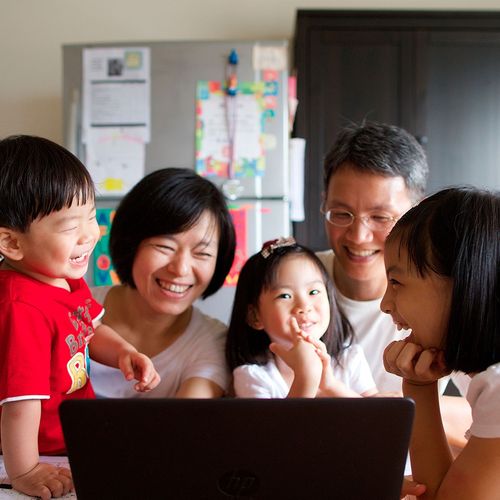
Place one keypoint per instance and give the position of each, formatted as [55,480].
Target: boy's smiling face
[56,247]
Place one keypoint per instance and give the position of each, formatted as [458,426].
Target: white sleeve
[357,374]
[252,381]
[484,398]
[461,381]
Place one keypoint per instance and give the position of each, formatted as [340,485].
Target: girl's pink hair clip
[269,246]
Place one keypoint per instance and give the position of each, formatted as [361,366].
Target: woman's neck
[149,331]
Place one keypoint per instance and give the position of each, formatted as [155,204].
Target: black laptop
[352,448]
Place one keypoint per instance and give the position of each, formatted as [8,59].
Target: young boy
[49,322]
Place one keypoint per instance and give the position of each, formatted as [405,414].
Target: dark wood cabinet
[437,74]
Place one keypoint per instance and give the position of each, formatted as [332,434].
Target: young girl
[443,262]
[287,337]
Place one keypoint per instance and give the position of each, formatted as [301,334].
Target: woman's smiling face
[172,271]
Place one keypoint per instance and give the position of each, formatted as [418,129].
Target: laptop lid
[341,448]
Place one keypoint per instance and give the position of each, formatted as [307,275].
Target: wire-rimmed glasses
[344,218]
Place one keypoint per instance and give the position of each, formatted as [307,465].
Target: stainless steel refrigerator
[176,68]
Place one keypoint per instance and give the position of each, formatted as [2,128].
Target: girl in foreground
[286,337]
[443,267]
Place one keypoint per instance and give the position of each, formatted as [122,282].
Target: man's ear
[253,319]
[9,244]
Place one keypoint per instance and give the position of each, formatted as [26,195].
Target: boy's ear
[253,319]
[9,244]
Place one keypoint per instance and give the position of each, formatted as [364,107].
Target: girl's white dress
[265,381]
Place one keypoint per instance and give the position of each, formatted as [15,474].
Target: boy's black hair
[380,149]
[166,202]
[38,177]
[246,345]
[456,233]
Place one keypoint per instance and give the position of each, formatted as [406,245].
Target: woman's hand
[418,366]
[135,365]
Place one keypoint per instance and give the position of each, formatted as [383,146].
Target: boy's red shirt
[44,333]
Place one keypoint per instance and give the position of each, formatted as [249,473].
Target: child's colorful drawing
[223,121]
[104,274]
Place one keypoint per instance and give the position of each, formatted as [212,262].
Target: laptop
[329,448]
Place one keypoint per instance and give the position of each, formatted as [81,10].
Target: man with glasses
[373,174]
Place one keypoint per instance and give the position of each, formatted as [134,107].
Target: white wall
[33,31]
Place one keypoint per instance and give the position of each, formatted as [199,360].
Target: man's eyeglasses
[375,222]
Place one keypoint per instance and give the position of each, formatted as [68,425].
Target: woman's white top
[198,352]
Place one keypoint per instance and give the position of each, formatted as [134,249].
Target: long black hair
[165,202]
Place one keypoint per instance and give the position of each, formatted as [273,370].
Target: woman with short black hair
[172,241]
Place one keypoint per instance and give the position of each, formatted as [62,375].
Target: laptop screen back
[341,448]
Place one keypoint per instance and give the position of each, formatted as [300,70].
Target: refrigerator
[258,198]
